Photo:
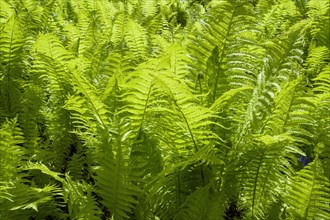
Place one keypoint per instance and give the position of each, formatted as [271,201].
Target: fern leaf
[11,40]
[136,39]
[283,105]
[309,194]
[11,153]
[81,203]
[6,12]
[50,64]
[318,12]
[264,172]
[225,98]
[201,204]
[114,183]
[119,30]
[219,47]
[197,199]
[322,81]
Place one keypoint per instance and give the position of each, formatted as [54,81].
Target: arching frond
[164,109]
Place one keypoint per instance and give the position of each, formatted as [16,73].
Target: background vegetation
[164,109]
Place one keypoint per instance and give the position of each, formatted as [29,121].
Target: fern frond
[50,46]
[104,11]
[220,104]
[140,97]
[31,103]
[5,186]
[282,62]
[136,39]
[11,41]
[119,30]
[300,122]
[178,61]
[164,109]
[77,163]
[168,191]
[11,153]
[115,182]
[98,110]
[222,32]
[72,40]
[318,59]
[195,140]
[199,199]
[322,81]
[92,117]
[50,65]
[309,194]
[118,66]
[30,201]
[318,13]
[283,104]
[280,16]
[88,38]
[264,6]
[149,8]
[81,203]
[6,12]
[193,118]
[321,128]
[201,204]
[263,172]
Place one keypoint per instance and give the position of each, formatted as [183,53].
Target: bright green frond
[309,194]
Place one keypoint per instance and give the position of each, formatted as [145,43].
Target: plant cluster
[164,109]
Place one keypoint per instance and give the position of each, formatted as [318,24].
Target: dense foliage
[164,109]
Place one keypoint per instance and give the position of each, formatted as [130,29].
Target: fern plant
[164,109]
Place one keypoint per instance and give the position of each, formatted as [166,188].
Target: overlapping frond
[78,195]
[263,171]
[11,152]
[50,65]
[201,204]
[164,109]
[309,194]
[136,39]
[215,49]
[318,13]
[11,41]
